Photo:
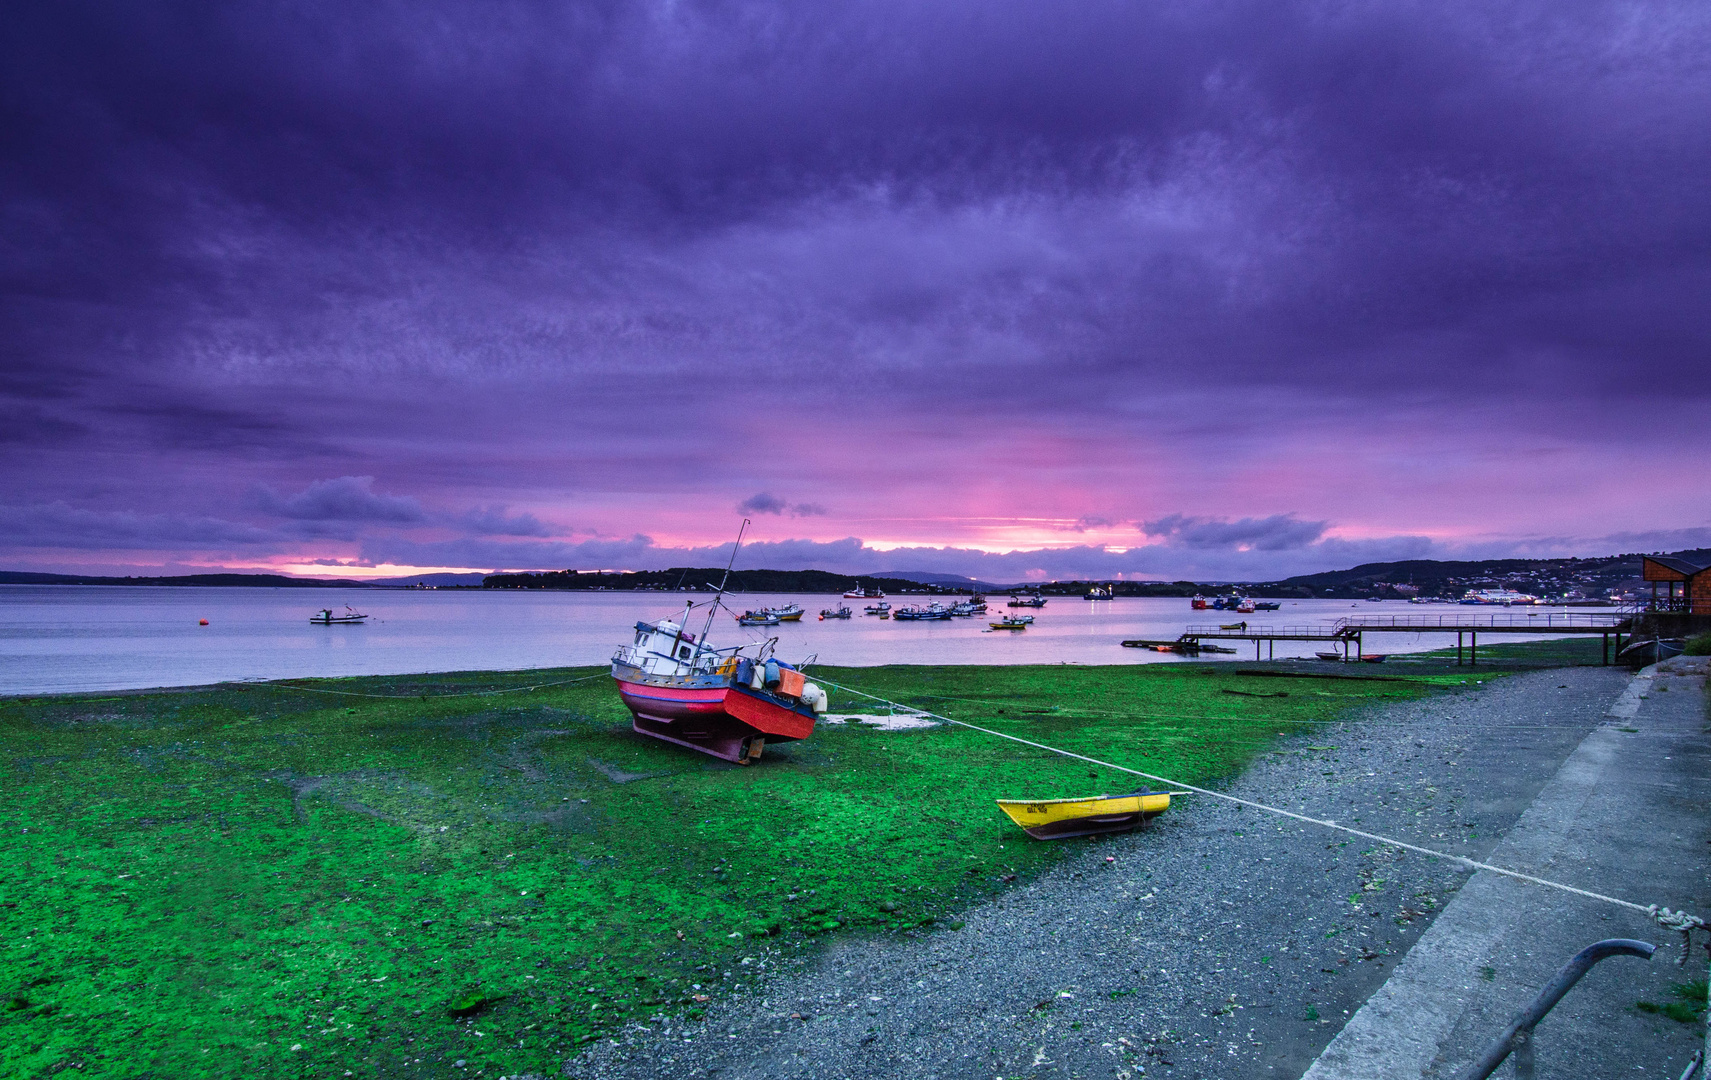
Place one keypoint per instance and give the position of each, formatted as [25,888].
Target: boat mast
[713,607]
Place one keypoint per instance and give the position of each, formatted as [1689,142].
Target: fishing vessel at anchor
[725,702]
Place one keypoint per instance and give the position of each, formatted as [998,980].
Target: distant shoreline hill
[706,579]
[1590,578]
[268,581]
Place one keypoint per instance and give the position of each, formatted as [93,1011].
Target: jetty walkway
[1466,626]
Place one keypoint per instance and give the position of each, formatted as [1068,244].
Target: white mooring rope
[1652,910]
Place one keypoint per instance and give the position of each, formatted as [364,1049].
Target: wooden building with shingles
[1687,586]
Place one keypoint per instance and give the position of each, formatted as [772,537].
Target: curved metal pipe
[1518,1038]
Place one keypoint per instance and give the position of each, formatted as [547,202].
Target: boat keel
[731,742]
[1088,826]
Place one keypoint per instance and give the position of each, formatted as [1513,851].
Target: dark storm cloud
[346,498]
[497,521]
[1280,532]
[765,503]
[58,526]
[762,503]
[494,252]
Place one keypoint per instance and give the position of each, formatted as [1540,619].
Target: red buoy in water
[203,622]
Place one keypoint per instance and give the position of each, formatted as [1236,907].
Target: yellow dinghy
[1054,819]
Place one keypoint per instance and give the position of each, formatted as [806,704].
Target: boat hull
[1056,819]
[720,719]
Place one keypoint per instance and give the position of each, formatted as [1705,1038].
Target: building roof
[1680,566]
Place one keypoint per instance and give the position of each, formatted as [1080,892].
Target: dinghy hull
[1056,819]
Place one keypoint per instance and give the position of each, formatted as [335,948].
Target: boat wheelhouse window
[641,636]
[683,652]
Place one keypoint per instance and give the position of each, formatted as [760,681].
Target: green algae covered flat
[283,880]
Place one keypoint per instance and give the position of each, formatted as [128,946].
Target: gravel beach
[1219,942]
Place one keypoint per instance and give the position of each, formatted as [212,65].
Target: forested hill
[271,581]
[704,579]
[1541,577]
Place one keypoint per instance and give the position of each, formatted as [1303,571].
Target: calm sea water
[67,638]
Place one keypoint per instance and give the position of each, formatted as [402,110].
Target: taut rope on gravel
[1651,910]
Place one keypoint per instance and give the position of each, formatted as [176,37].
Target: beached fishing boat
[757,618]
[1013,622]
[1336,656]
[1054,819]
[836,613]
[728,703]
[325,617]
[787,613]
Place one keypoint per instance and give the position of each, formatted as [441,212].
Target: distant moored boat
[325,617]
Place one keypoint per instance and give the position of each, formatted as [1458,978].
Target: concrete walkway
[1625,815]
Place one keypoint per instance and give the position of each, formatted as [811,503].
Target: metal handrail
[1518,1038]
[1318,630]
[1464,621]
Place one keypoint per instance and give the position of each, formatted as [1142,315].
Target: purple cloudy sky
[1224,289]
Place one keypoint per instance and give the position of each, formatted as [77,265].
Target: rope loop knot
[1682,923]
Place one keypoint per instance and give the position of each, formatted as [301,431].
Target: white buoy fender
[814,697]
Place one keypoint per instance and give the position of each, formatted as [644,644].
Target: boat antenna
[713,608]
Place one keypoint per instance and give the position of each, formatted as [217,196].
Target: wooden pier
[1466,626]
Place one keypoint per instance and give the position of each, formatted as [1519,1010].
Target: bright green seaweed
[263,881]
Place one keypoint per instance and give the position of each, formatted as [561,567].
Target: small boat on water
[1013,622]
[787,613]
[1501,597]
[1266,605]
[838,613]
[1199,603]
[1101,592]
[934,612]
[968,609]
[882,610]
[1187,648]
[325,617]
[1205,647]
[1034,600]
[858,593]
[757,618]
[1233,626]
[1054,819]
